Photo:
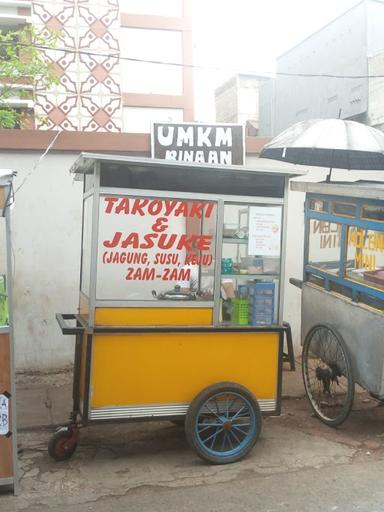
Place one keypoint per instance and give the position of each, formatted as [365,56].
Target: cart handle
[70,329]
[296,282]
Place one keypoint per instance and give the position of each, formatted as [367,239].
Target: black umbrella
[333,143]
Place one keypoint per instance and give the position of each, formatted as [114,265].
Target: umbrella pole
[328,178]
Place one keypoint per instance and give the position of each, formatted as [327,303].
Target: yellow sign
[367,243]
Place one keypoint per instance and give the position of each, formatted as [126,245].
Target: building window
[4,30]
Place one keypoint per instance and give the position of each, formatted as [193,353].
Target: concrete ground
[298,464]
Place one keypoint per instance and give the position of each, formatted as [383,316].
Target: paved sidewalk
[148,467]
[45,401]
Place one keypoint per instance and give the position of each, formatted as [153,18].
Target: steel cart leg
[289,356]
[63,443]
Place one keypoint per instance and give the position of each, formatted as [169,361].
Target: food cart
[8,435]
[181,289]
[342,295]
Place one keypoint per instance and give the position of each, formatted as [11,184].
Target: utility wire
[10,197]
[267,74]
[38,162]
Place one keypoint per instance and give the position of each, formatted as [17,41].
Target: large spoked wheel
[223,423]
[327,374]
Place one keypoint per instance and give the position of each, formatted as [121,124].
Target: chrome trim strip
[267,405]
[147,192]
[217,267]
[94,246]
[156,410]
[107,303]
[260,167]
[143,411]
[283,253]
[7,481]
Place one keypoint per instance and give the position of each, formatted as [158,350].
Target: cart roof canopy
[265,178]
[361,188]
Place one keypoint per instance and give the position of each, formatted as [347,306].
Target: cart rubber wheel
[63,443]
[327,374]
[223,423]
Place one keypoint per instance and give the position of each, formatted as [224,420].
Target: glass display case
[192,255]
[345,247]
[169,248]
[250,265]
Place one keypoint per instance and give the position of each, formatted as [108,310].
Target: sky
[247,36]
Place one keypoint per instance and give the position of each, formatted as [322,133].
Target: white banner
[151,244]
[264,230]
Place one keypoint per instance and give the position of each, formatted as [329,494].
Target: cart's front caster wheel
[63,443]
[223,423]
[328,376]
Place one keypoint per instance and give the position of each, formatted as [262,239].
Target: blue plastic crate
[262,303]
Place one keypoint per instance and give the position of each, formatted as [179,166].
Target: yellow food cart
[180,300]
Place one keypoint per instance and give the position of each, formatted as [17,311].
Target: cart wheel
[223,423]
[63,443]
[327,374]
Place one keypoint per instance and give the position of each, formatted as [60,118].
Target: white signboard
[219,144]
[4,415]
[149,244]
[264,230]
